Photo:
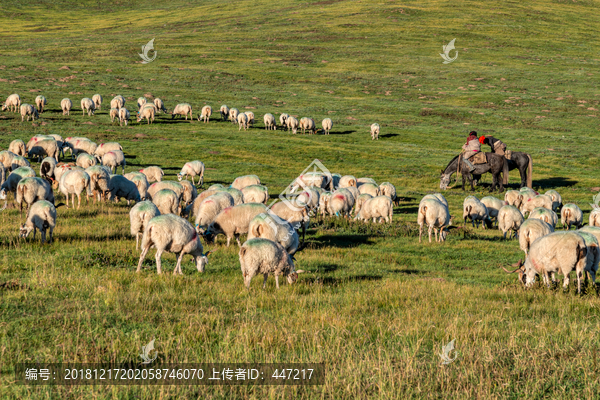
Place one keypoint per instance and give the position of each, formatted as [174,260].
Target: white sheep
[87,105]
[104,148]
[78,145]
[375,131]
[513,198]
[12,103]
[250,116]
[530,230]
[307,124]
[65,105]
[571,214]
[283,120]
[114,114]
[379,207]
[17,147]
[153,173]
[139,217]
[269,120]
[387,189]
[369,188]
[360,201]
[493,206]
[436,196]
[42,216]
[263,256]
[121,187]
[40,102]
[340,203]
[18,162]
[545,215]
[124,116]
[234,221]
[207,209]
[224,110]
[44,148]
[167,201]
[141,101]
[11,182]
[233,115]
[182,109]
[160,106]
[541,200]
[140,181]
[177,187]
[255,194]
[84,160]
[270,226]
[324,200]
[556,199]
[117,102]
[242,181]
[148,113]
[97,99]
[27,110]
[113,159]
[594,217]
[99,181]
[74,182]
[327,124]
[47,168]
[205,114]
[59,142]
[29,190]
[242,120]
[509,219]
[192,168]
[436,216]
[527,194]
[346,181]
[476,211]
[292,123]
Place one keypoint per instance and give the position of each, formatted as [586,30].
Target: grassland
[375,306]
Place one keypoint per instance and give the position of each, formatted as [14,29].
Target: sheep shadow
[406,210]
[331,281]
[341,132]
[554,182]
[339,241]
[388,135]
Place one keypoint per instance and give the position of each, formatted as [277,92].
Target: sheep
[140,181]
[29,190]
[192,168]
[27,110]
[119,186]
[189,192]
[60,143]
[509,219]
[379,207]
[11,182]
[113,159]
[167,201]
[594,217]
[172,234]
[269,121]
[283,120]
[594,230]
[369,188]
[139,216]
[360,201]
[192,209]
[17,147]
[545,215]
[182,109]
[542,200]
[160,106]
[527,194]
[234,221]
[307,124]
[493,206]
[97,99]
[114,114]
[296,214]
[347,180]
[387,189]
[125,116]
[362,181]
[270,226]
[570,214]
[99,181]
[104,148]
[148,105]
[233,114]
[205,114]
[117,102]
[177,187]
[6,158]
[311,179]
[375,131]
[87,105]
[593,254]
[242,120]
[146,112]
[19,161]
[74,182]
[45,148]
[40,102]
[436,196]
[530,230]
[327,125]
[324,200]
[207,209]
[263,256]
[292,123]
[340,203]
[84,161]
[42,216]
[476,211]
[78,145]
[47,168]
[556,199]
[224,110]
[354,192]
[153,173]
[238,196]
[308,198]
[13,103]
[141,101]
[250,116]
[60,170]
[255,194]
[242,181]
[65,105]
[436,216]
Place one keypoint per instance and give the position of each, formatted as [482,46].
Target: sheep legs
[158,263]
[142,256]
[178,266]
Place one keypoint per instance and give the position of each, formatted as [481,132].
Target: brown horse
[496,165]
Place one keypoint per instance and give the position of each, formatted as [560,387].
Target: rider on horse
[471,148]
[497,146]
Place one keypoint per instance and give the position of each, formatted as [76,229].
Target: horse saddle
[508,154]
[478,158]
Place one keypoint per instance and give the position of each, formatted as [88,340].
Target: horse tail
[505,171]
[529,172]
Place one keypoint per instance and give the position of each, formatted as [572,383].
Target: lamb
[270,226]
[13,103]
[571,215]
[545,215]
[250,116]
[104,148]
[114,114]
[172,234]
[87,105]
[153,173]
[542,200]
[192,168]
[42,216]
[206,210]
[509,219]
[74,182]
[167,201]
[47,168]
[99,181]
[327,125]
[205,114]
[242,181]
[27,110]
[369,188]
[45,148]
[224,110]
[436,216]
[113,159]
[493,206]
[146,112]
[269,120]
[160,106]
[65,105]
[255,194]
[174,186]
[11,182]
[594,217]
[17,147]
[347,180]
[119,186]
[139,217]
[29,190]
[387,189]
[40,102]
[234,221]
[308,124]
[182,109]
[141,101]
[379,207]
[556,199]
[125,116]
[292,123]
[233,114]
[375,131]
[19,161]
[140,181]
[283,120]
[242,120]
[360,201]
[263,256]
[97,99]
[476,211]
[531,230]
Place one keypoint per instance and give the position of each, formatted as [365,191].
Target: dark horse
[495,165]
[520,161]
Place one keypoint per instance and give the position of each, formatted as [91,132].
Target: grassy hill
[375,305]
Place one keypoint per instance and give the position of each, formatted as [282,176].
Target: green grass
[375,305]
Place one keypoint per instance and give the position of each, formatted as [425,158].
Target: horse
[520,161]
[496,164]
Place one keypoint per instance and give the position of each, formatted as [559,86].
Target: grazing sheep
[19,161]
[192,168]
[292,123]
[542,200]
[310,179]
[205,114]
[362,181]
[13,103]
[146,112]
[308,198]
[509,219]
[189,192]
[141,102]
[87,105]
[117,102]
[11,182]
[436,196]
[476,211]
[530,230]
[17,147]
[153,173]
[74,182]
[346,181]
[270,226]
[379,207]
[493,206]
[60,170]
[250,116]
[78,145]
[269,120]
[545,215]
[255,194]
[341,202]
[242,120]
[369,188]
[242,181]
[121,187]
[307,124]
[556,199]
[436,216]
[104,148]
[375,131]
[182,109]
[233,114]
[114,114]
[594,230]
[27,110]
[172,234]
[327,124]
[238,196]
[44,148]
[97,99]
[224,112]
[360,201]
[84,160]
[571,214]
[140,181]
[6,158]
[125,116]
[283,120]
[234,221]
[65,105]
[206,210]
[296,214]
[139,216]
[192,209]
[167,201]
[527,194]
[324,200]
[593,254]
[47,168]
[29,190]
[160,106]
[40,102]
[113,159]
[177,187]
[353,192]
[263,256]
[42,216]
[99,181]
[594,217]
[60,143]
[389,190]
